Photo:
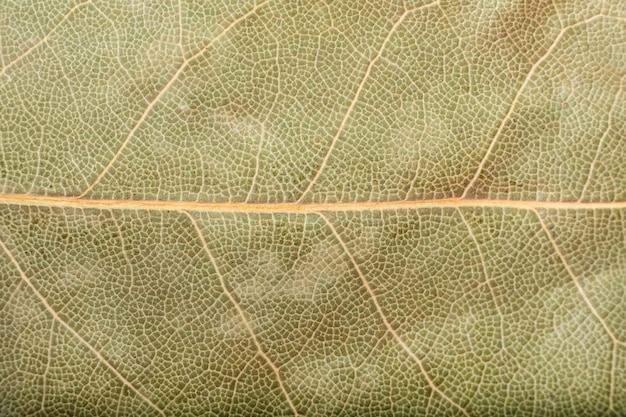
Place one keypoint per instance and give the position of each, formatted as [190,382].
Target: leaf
[313,208]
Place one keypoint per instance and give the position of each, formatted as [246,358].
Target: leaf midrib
[291,207]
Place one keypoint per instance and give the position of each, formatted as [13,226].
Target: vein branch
[162,92]
[386,322]
[243,315]
[355,99]
[519,93]
[45,372]
[44,39]
[602,138]
[73,332]
[612,377]
[485,272]
[257,163]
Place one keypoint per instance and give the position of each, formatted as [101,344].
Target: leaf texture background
[313,208]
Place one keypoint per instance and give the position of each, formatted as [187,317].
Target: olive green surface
[383,208]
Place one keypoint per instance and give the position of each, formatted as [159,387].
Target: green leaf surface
[320,208]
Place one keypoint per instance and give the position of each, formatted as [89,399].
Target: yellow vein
[44,39]
[513,104]
[388,326]
[56,317]
[242,207]
[355,99]
[161,93]
[242,314]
